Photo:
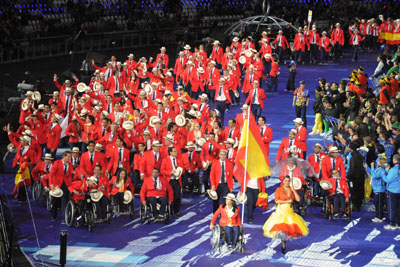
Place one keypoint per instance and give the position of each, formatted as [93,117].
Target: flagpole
[245,159]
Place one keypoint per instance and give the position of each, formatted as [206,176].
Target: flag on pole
[257,160]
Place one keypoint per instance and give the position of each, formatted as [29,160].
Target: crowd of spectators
[52,18]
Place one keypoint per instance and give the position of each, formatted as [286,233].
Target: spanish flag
[252,149]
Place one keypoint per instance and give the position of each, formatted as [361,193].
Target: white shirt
[221,95]
[253,183]
[230,213]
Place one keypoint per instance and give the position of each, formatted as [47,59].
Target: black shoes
[283,250]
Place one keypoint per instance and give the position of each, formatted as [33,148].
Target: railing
[63,45]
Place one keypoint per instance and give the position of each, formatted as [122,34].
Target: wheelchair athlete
[102,185]
[78,189]
[156,188]
[230,220]
[339,193]
[117,187]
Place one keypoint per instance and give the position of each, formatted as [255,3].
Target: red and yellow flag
[257,159]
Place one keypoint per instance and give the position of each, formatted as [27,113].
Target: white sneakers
[391,227]
[377,220]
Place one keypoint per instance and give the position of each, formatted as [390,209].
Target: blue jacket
[377,183]
[392,179]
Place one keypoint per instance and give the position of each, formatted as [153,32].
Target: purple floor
[185,241]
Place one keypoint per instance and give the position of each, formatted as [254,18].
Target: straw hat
[57,192]
[213,194]
[230,196]
[326,185]
[128,197]
[96,196]
[190,145]
[296,183]
[298,120]
[48,156]
[241,197]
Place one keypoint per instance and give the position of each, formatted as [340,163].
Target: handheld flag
[252,150]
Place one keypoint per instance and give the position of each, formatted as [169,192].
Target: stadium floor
[185,241]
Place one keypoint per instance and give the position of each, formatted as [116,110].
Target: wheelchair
[146,212]
[115,208]
[37,191]
[218,238]
[328,208]
[310,194]
[76,217]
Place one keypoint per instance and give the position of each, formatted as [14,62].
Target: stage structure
[256,24]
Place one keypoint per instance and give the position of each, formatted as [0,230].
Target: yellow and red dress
[284,223]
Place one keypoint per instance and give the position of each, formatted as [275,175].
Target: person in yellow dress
[284,224]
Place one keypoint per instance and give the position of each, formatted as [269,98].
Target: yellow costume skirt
[285,224]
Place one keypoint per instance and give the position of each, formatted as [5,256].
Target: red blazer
[326,43]
[310,37]
[72,129]
[166,168]
[265,49]
[298,45]
[164,57]
[274,69]
[359,38]
[266,137]
[98,132]
[316,165]
[113,189]
[195,163]
[53,137]
[239,120]
[180,64]
[217,54]
[261,97]
[327,167]
[113,164]
[40,170]
[57,176]
[205,156]
[87,167]
[284,41]
[283,150]
[137,160]
[224,221]
[261,184]
[147,164]
[213,76]
[215,174]
[235,133]
[24,113]
[343,186]
[103,183]
[197,81]
[335,37]
[28,157]
[302,138]
[148,189]
[225,88]
[81,187]
[248,83]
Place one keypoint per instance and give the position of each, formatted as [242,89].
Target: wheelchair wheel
[37,191]
[109,213]
[241,239]
[143,212]
[215,237]
[89,218]
[131,210]
[48,201]
[69,213]
[167,213]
